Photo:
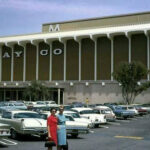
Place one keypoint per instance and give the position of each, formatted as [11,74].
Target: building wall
[139,48]
[44,62]
[87,59]
[6,64]
[57,62]
[30,62]
[18,63]
[103,58]
[72,60]
[100,22]
[96,93]
[121,50]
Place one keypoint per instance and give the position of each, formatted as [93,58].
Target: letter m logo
[54,28]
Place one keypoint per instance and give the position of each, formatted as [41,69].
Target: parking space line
[124,120]
[103,126]
[114,123]
[130,137]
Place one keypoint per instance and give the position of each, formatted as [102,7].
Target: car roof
[20,111]
[82,108]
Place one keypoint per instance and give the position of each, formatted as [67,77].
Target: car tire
[75,135]
[14,134]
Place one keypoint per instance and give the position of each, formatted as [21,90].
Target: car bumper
[77,131]
[36,132]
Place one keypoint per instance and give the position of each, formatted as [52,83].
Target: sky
[27,16]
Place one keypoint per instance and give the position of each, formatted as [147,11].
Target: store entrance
[16,94]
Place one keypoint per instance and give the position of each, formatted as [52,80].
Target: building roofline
[97,18]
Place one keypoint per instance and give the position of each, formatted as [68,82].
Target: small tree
[129,75]
[36,91]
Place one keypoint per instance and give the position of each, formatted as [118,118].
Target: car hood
[34,122]
[76,124]
[93,115]
[82,120]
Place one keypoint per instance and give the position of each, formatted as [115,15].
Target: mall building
[76,59]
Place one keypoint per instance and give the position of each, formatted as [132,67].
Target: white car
[96,119]
[77,118]
[25,123]
[4,134]
[110,116]
[130,108]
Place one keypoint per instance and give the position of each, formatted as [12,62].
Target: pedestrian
[61,132]
[52,122]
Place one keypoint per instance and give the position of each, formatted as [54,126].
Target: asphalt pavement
[131,134]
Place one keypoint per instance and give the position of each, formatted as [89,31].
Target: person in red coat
[52,127]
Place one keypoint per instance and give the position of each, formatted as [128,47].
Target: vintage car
[13,105]
[141,110]
[4,134]
[73,127]
[78,118]
[25,123]
[88,113]
[110,116]
[130,108]
[121,113]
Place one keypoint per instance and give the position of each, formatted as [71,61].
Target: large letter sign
[18,54]
[6,55]
[53,28]
[57,51]
[44,52]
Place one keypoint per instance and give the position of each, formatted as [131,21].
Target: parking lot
[130,134]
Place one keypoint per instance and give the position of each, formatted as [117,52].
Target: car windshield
[27,115]
[107,111]
[130,107]
[75,115]
[124,108]
[19,104]
[69,118]
[87,112]
[117,107]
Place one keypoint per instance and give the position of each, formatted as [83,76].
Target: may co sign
[57,51]
[43,52]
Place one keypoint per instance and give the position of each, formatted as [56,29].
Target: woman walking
[61,132]
[52,122]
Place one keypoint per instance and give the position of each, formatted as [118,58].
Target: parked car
[4,134]
[130,108]
[74,128]
[78,118]
[13,105]
[121,113]
[141,110]
[110,116]
[96,119]
[25,123]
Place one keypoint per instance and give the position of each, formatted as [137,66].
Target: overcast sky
[27,16]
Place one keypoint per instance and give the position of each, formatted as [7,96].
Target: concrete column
[58,96]
[129,37]
[65,49]
[37,61]
[12,63]
[95,61]
[148,55]
[50,62]
[112,58]
[80,60]
[63,98]
[24,64]
[0,63]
